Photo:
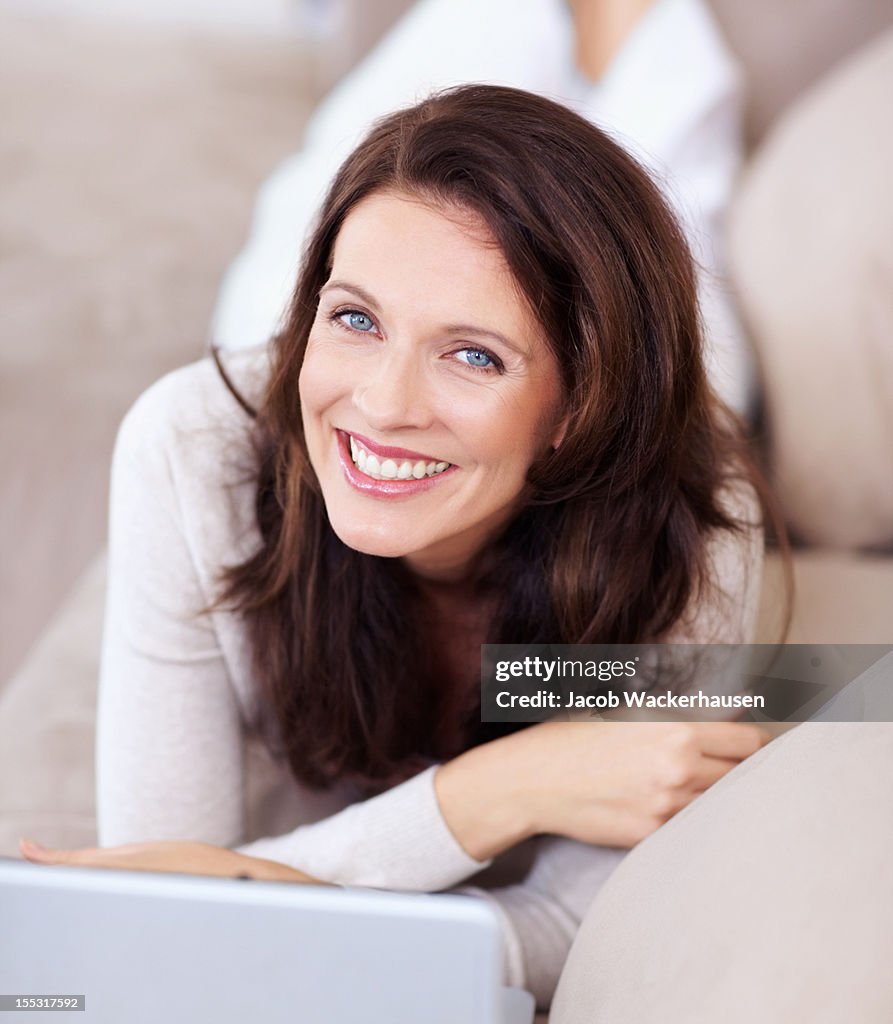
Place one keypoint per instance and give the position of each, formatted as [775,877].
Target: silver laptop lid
[144,947]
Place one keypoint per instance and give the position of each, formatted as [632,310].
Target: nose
[392,392]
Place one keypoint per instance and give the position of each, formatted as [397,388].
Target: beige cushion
[785,47]
[768,899]
[47,728]
[813,263]
[840,597]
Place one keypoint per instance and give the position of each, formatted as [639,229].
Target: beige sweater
[177,754]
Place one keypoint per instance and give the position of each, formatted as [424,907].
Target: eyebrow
[344,286]
[467,330]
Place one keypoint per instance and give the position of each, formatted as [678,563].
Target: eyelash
[496,367]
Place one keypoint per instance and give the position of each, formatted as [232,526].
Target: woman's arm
[169,755]
[597,780]
[606,783]
[398,840]
[615,782]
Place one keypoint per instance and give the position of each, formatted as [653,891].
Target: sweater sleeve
[170,725]
[168,756]
[398,840]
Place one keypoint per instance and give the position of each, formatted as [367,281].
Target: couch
[108,278]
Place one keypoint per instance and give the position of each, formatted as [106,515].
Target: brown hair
[611,546]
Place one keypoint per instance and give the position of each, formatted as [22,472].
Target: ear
[560,431]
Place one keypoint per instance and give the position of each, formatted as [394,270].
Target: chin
[371,541]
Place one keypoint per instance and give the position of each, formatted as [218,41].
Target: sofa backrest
[786,46]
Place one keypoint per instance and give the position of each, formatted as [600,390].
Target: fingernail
[31,846]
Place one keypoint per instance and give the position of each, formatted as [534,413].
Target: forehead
[440,259]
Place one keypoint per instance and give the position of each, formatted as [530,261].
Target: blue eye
[357,321]
[477,358]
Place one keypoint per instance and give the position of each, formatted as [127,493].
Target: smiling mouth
[379,468]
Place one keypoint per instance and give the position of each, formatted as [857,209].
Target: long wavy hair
[611,546]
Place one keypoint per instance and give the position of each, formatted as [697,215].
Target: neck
[460,589]
[439,575]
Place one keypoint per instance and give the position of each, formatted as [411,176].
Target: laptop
[139,947]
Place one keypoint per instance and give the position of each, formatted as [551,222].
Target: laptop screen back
[150,947]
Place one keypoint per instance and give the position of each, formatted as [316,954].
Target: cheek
[320,383]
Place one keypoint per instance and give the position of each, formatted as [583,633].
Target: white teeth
[390,469]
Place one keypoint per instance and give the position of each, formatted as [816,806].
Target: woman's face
[427,388]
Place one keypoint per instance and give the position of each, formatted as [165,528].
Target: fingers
[705,770]
[710,770]
[38,854]
[730,740]
[167,856]
[87,856]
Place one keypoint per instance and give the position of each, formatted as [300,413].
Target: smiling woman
[497,306]
[486,420]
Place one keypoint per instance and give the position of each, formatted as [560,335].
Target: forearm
[484,798]
[431,831]
[397,840]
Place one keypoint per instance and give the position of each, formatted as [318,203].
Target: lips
[387,452]
[395,472]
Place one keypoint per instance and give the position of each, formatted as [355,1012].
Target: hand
[614,783]
[605,783]
[181,857]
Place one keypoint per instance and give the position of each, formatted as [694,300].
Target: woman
[486,420]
